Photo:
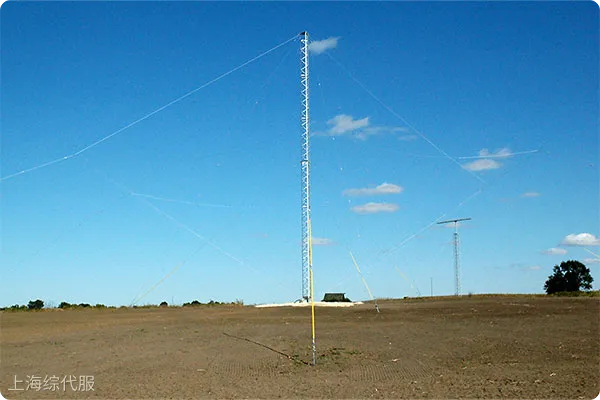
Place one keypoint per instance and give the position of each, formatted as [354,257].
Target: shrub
[35,305]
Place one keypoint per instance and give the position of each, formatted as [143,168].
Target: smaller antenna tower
[456,252]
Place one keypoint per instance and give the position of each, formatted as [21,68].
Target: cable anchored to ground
[268,348]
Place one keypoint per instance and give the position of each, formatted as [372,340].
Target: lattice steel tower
[305,165]
[456,253]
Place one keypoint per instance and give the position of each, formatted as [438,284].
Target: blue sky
[420,112]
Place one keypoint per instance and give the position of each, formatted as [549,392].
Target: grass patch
[591,293]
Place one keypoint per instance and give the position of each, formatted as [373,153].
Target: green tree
[35,305]
[64,304]
[569,276]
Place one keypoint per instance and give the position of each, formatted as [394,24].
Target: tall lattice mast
[305,163]
[456,253]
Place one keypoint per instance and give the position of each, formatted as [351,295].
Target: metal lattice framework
[456,252]
[305,164]
[456,262]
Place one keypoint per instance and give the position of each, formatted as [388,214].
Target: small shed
[336,297]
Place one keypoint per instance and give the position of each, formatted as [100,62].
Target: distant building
[336,297]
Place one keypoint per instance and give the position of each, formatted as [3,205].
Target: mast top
[454,220]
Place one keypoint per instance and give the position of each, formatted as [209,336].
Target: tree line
[38,304]
[569,277]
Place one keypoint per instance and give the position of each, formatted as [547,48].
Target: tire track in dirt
[252,369]
[398,371]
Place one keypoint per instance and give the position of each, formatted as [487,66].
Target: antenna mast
[456,253]
[305,165]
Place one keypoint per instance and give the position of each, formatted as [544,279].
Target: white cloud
[484,161]
[580,239]
[363,135]
[500,153]
[372,208]
[320,46]
[482,165]
[530,194]
[346,123]
[591,261]
[384,188]
[360,129]
[554,251]
[316,241]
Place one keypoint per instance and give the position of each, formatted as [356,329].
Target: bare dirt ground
[473,347]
